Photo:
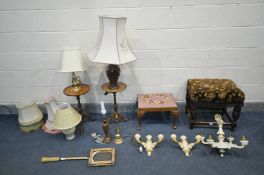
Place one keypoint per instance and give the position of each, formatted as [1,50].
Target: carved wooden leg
[174,114]
[190,110]
[235,115]
[186,109]
[139,116]
[187,106]
[192,114]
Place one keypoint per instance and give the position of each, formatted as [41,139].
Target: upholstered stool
[160,102]
[216,95]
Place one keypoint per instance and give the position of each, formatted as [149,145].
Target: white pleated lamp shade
[66,117]
[111,46]
[28,113]
[72,60]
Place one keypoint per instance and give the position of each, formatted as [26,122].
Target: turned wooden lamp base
[69,91]
[116,116]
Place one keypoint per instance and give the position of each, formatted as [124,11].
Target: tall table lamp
[72,61]
[112,48]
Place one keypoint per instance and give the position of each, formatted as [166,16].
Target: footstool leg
[175,115]
[186,109]
[139,116]
[192,114]
[235,115]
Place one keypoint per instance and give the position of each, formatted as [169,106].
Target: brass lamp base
[107,140]
[118,137]
[76,89]
[76,82]
[107,137]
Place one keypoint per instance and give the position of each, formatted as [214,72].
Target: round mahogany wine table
[107,89]
[69,91]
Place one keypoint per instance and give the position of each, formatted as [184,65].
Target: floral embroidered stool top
[214,90]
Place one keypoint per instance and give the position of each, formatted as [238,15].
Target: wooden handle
[49,159]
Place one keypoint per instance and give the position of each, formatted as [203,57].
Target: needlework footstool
[216,95]
[159,102]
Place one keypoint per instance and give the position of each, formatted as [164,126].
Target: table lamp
[72,61]
[29,116]
[66,119]
[111,47]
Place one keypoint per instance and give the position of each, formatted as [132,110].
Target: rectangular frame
[93,152]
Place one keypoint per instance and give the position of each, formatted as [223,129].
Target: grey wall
[173,40]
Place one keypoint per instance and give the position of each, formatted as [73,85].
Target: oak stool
[216,95]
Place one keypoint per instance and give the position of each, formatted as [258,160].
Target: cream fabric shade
[28,113]
[66,117]
[111,46]
[72,61]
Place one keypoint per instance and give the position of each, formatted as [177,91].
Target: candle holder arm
[160,138]
[174,138]
[191,145]
[137,138]
[209,143]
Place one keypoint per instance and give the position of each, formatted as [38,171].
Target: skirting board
[123,107]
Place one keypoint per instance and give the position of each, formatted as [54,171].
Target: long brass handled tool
[97,157]
[56,159]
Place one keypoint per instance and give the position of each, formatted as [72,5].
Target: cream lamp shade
[66,117]
[29,116]
[72,60]
[111,46]
[28,113]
